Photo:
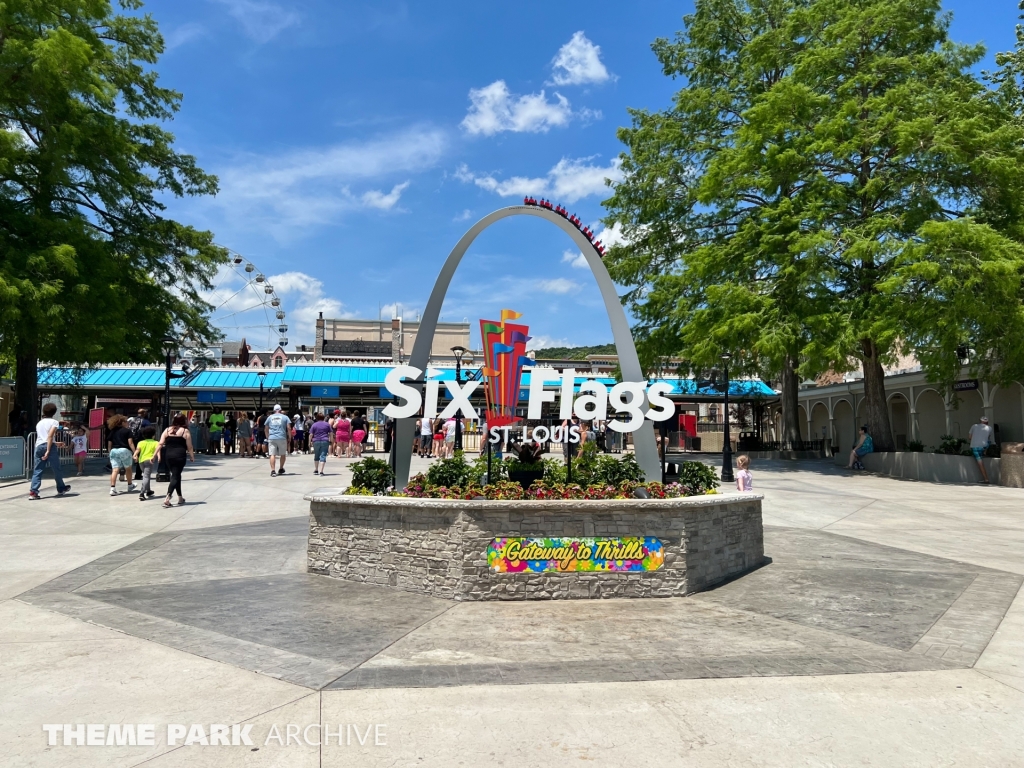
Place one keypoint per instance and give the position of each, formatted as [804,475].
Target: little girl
[79,443]
[744,480]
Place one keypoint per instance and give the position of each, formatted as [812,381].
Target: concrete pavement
[889,630]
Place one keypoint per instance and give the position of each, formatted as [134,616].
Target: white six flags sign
[592,401]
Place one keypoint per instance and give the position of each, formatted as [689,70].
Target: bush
[698,477]
[479,469]
[612,471]
[373,475]
[449,473]
[952,446]
[915,446]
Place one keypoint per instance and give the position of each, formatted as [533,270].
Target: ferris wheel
[246,305]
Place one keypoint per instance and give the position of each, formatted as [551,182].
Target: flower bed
[604,478]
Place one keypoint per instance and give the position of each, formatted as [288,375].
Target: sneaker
[273,474]
[280,471]
[67,487]
[315,472]
[150,493]
[142,497]
[131,487]
[33,495]
[113,491]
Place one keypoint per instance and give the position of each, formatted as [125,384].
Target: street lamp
[262,374]
[170,346]
[727,448]
[458,352]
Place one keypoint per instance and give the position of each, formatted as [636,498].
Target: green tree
[90,268]
[710,238]
[903,175]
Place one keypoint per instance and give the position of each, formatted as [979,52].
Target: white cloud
[308,187]
[578,62]
[609,237]
[575,259]
[568,181]
[494,109]
[543,342]
[558,285]
[377,199]
[406,312]
[182,34]
[303,298]
[262,21]
[464,216]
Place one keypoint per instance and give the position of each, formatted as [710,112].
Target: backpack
[136,426]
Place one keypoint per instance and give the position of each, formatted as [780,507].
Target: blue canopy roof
[153,378]
[247,379]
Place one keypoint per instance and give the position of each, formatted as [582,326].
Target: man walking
[47,453]
[277,428]
[981,438]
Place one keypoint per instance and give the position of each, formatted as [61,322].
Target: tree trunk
[26,393]
[876,410]
[790,403]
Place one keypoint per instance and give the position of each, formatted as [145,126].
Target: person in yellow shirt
[144,453]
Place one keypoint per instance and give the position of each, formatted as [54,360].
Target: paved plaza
[887,629]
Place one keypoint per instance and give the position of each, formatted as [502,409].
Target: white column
[987,398]
[915,432]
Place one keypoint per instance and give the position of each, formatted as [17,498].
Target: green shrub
[450,473]
[952,446]
[612,471]
[373,475]
[554,471]
[479,468]
[915,446]
[698,477]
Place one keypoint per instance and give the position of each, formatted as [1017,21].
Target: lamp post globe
[458,351]
[727,476]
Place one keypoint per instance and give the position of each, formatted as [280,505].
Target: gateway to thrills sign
[568,555]
[504,361]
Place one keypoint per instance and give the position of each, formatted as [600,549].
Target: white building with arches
[918,410]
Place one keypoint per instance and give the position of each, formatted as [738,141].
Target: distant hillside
[574,353]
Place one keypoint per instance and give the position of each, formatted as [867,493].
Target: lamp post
[458,352]
[170,346]
[727,448]
[262,375]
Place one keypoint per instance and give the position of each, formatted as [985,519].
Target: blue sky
[355,143]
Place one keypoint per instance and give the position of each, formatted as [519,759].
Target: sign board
[212,397]
[12,457]
[574,554]
[965,385]
[124,401]
[325,392]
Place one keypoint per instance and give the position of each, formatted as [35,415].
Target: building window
[278,362]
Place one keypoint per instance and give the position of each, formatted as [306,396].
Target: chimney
[319,348]
[396,339]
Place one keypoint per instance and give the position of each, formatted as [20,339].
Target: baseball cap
[277,408]
[985,419]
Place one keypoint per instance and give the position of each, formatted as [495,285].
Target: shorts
[320,450]
[120,458]
[81,453]
[278,447]
[358,435]
[449,438]
[978,453]
[439,437]
[298,435]
[260,438]
[862,453]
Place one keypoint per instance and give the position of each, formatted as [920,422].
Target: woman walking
[320,435]
[120,447]
[359,428]
[175,444]
[342,435]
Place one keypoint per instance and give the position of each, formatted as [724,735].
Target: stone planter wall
[439,547]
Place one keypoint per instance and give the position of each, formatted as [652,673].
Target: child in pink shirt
[744,480]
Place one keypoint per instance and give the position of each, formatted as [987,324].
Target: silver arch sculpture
[643,439]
